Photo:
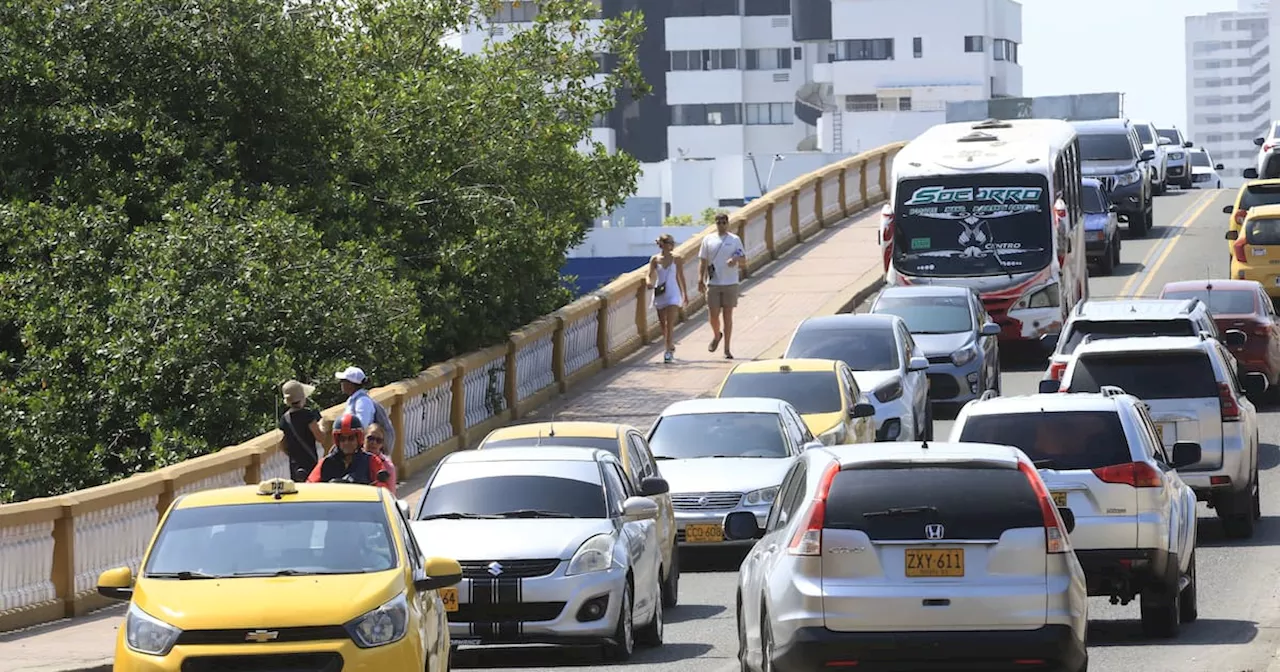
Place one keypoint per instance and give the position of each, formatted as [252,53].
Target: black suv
[1111,151]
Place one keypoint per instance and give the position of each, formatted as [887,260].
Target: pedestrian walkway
[839,267]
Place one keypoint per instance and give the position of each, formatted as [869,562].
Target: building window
[703,59]
[1004,50]
[768,59]
[713,114]
[863,102]
[917,47]
[769,114]
[514,11]
[764,7]
[973,44]
[864,50]
[904,103]
[797,53]
[707,8]
[600,121]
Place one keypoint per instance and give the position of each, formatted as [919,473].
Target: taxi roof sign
[278,487]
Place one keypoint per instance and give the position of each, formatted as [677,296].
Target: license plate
[1059,498]
[450,598]
[926,562]
[703,534]
[1259,251]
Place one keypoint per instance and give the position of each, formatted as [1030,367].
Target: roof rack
[1190,305]
[989,394]
[987,124]
[977,136]
[1110,391]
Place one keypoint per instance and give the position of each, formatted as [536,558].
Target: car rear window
[1220,301]
[970,503]
[1079,329]
[1263,232]
[1260,194]
[610,445]
[1065,440]
[808,391]
[1148,375]
[862,348]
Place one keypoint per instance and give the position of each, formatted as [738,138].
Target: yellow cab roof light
[277,488]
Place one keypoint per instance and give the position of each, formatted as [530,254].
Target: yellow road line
[1155,249]
[1151,272]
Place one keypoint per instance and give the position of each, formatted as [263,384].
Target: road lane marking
[1173,242]
[1174,227]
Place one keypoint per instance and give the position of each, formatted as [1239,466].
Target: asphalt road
[1239,594]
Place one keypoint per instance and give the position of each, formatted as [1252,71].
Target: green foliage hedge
[200,199]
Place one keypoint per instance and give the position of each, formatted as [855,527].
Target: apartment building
[1229,96]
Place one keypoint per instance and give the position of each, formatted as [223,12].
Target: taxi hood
[266,602]
[819,423]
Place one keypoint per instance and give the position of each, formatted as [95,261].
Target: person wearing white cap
[301,427]
[359,403]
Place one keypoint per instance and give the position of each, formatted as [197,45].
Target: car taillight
[808,539]
[1056,370]
[1137,474]
[1055,534]
[1240,215]
[886,223]
[1238,248]
[1267,147]
[1262,329]
[1227,401]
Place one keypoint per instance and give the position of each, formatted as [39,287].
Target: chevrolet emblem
[261,636]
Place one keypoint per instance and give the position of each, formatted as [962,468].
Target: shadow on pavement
[577,656]
[1268,456]
[1204,631]
[693,612]
[1210,534]
[697,560]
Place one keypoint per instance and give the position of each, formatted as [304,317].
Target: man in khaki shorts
[720,261]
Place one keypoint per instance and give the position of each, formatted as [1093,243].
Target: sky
[1136,47]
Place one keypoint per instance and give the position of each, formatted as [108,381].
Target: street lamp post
[764,186]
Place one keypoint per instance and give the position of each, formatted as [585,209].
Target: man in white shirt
[359,403]
[720,261]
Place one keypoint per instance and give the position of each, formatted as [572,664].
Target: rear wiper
[1044,464]
[533,513]
[900,511]
[460,516]
[664,457]
[183,576]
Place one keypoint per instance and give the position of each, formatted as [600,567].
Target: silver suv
[1195,393]
[1099,454]
[910,556]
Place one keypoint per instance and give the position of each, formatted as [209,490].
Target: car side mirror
[1185,454]
[639,508]
[654,486]
[1049,342]
[1111,207]
[1228,209]
[1188,144]
[811,445]
[1218,166]
[1049,386]
[742,525]
[404,509]
[439,573]
[1250,173]
[917,363]
[1259,141]
[862,411]
[990,329]
[384,476]
[1255,384]
[1235,337]
[116,584]
[1147,155]
[1232,235]
[1068,518]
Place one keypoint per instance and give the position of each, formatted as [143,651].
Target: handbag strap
[288,422]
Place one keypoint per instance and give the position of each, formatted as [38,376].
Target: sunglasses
[374,439]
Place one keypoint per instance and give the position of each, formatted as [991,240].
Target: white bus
[994,206]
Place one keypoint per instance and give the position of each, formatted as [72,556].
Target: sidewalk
[840,267]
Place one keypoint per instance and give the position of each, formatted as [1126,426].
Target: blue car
[1101,227]
[952,329]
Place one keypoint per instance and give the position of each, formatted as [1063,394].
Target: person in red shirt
[350,462]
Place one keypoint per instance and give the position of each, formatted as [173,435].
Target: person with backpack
[349,462]
[301,427]
[363,406]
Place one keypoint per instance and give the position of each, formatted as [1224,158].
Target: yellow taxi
[316,576]
[1251,195]
[631,448]
[822,390]
[1255,248]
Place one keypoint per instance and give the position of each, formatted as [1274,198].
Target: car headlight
[1044,297]
[384,625]
[833,437]
[1128,178]
[147,634]
[594,555]
[760,497]
[963,356]
[889,391]
[1176,156]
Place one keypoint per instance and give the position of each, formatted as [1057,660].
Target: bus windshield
[972,225]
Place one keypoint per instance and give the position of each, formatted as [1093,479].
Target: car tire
[1237,517]
[652,632]
[1161,610]
[766,643]
[926,433]
[1257,496]
[1116,249]
[1107,265]
[742,641]
[671,586]
[624,642]
[1187,609]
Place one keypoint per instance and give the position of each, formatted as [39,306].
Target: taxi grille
[705,501]
[511,569]
[281,635]
[507,612]
[285,662]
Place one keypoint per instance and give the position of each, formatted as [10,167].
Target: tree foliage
[202,198]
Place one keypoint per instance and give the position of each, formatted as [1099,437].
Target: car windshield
[685,437]
[929,314]
[1170,134]
[972,225]
[808,391]
[1093,200]
[1106,147]
[1079,330]
[1148,375]
[862,348]
[1220,301]
[1144,134]
[1260,194]
[610,445]
[1063,440]
[273,538]
[1200,159]
[515,489]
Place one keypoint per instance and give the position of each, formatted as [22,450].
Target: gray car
[556,547]
[911,556]
[956,335]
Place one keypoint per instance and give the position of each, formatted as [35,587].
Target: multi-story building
[1229,96]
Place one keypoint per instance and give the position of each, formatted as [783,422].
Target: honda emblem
[933,531]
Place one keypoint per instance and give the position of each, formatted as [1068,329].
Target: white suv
[911,555]
[1195,393]
[1135,532]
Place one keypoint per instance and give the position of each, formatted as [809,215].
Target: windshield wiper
[534,513]
[899,511]
[460,516]
[183,576]
[289,572]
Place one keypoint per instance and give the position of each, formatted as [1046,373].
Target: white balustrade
[26,565]
[276,465]
[225,479]
[484,388]
[581,344]
[534,366]
[831,197]
[622,320]
[753,238]
[807,201]
[112,537]
[782,233]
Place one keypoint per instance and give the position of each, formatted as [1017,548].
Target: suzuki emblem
[495,568]
[261,636]
[702,501]
[933,531]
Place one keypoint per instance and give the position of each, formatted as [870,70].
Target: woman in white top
[666,280]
